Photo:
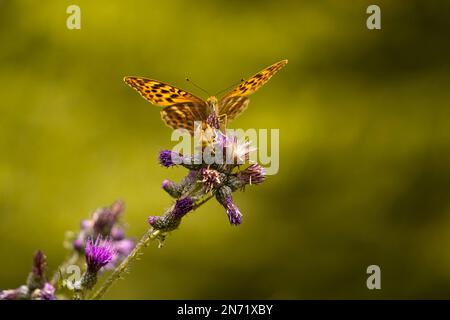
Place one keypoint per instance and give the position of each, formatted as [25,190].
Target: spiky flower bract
[99,253]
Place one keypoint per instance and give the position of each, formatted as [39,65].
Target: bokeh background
[364,132]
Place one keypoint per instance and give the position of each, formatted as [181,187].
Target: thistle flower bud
[152,220]
[171,188]
[105,218]
[10,294]
[46,293]
[117,233]
[124,247]
[168,158]
[36,278]
[235,150]
[224,197]
[78,244]
[21,293]
[253,174]
[98,253]
[171,220]
[210,179]
[183,206]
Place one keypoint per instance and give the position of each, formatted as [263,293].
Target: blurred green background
[364,131]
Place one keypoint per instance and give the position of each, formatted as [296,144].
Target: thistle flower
[36,287]
[39,264]
[239,151]
[219,177]
[183,206]
[235,150]
[78,244]
[172,218]
[224,197]
[152,220]
[124,247]
[99,253]
[169,158]
[104,224]
[117,233]
[254,174]
[171,188]
[185,186]
[210,179]
[36,278]
[8,294]
[46,293]
[234,215]
[105,218]
[21,293]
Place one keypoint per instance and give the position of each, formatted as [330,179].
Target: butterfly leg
[223,121]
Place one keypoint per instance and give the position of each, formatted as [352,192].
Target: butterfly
[182,109]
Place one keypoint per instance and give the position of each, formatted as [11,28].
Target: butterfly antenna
[198,87]
[233,85]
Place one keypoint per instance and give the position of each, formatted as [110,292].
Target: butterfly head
[212,103]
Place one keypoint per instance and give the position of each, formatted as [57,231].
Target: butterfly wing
[236,101]
[181,107]
[233,106]
[183,115]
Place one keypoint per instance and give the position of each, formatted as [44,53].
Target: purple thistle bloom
[105,218]
[210,179]
[183,206]
[99,253]
[21,293]
[45,293]
[48,292]
[234,215]
[223,195]
[169,158]
[124,247]
[117,233]
[39,264]
[78,244]
[235,151]
[8,294]
[36,278]
[171,188]
[152,220]
[172,218]
[254,174]
[167,185]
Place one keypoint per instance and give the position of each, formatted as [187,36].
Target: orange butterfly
[183,108]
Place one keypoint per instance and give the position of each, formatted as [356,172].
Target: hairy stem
[202,201]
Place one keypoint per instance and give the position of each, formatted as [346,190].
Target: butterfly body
[213,105]
[182,109]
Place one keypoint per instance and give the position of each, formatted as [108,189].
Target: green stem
[203,201]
